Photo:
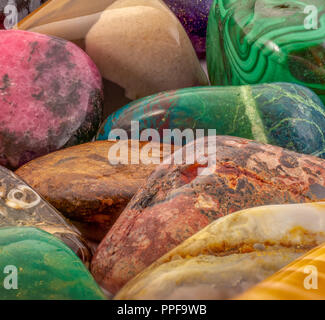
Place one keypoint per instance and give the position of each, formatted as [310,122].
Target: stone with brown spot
[82,184]
[176,202]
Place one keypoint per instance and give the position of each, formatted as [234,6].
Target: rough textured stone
[137,44]
[193,14]
[20,205]
[82,183]
[50,96]
[282,114]
[46,268]
[176,202]
[232,254]
[260,41]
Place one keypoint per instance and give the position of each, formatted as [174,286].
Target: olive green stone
[36,265]
[261,41]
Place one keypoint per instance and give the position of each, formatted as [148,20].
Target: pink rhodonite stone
[50,96]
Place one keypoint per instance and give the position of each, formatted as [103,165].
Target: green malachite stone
[261,41]
[282,114]
[46,268]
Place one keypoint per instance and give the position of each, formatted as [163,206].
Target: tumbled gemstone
[232,254]
[228,174]
[193,14]
[38,266]
[20,205]
[138,45]
[87,186]
[50,96]
[260,41]
[282,114]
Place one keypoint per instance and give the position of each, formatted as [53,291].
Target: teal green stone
[282,114]
[46,268]
[262,41]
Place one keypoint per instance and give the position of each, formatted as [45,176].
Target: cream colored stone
[137,44]
[232,254]
[142,47]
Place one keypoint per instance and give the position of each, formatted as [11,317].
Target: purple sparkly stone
[193,14]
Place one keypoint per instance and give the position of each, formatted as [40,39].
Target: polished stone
[282,114]
[193,14]
[38,266]
[50,96]
[260,41]
[303,279]
[138,45]
[231,254]
[83,184]
[20,205]
[178,200]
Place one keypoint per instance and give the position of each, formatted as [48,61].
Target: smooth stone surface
[282,114]
[231,254]
[176,202]
[83,184]
[46,268]
[138,45]
[20,205]
[289,283]
[260,41]
[24,7]
[50,96]
[193,14]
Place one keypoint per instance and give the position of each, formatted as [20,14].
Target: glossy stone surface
[138,45]
[289,283]
[231,254]
[83,184]
[178,201]
[23,7]
[46,268]
[281,114]
[50,96]
[260,41]
[193,14]
[20,205]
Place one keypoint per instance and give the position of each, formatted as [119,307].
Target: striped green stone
[262,41]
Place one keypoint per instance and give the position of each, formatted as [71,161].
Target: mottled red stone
[50,96]
[175,202]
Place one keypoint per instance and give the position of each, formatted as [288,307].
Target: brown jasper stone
[82,184]
[21,206]
[175,202]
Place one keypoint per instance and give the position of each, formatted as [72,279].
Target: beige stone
[138,45]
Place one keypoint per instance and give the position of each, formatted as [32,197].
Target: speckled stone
[50,96]
[193,14]
[46,269]
[83,184]
[20,205]
[282,114]
[231,254]
[176,202]
[24,7]
[138,45]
